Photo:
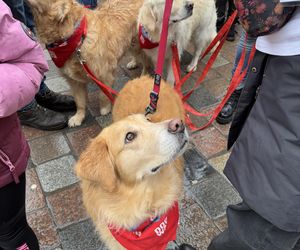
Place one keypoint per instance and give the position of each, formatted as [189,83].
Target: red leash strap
[160,59]
[108,91]
[238,75]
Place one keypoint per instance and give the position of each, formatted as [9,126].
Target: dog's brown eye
[130,137]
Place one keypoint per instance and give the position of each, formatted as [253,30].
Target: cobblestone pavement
[54,204]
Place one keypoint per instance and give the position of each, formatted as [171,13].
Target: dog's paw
[131,65]
[75,121]
[191,67]
[105,110]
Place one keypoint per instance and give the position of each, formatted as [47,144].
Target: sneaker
[226,114]
[42,118]
[55,101]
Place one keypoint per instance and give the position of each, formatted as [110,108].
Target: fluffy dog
[132,170]
[110,29]
[190,21]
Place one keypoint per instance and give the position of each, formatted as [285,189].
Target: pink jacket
[22,65]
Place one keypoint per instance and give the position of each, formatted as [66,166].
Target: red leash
[160,59]
[236,79]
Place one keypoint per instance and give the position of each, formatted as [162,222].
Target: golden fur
[110,30]
[117,184]
[197,26]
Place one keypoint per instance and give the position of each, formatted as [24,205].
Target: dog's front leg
[105,104]
[80,95]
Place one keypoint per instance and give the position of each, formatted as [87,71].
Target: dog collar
[60,51]
[153,234]
[145,40]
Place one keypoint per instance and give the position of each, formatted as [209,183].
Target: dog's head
[52,17]
[151,13]
[130,150]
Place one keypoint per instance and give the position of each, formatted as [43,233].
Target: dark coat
[264,165]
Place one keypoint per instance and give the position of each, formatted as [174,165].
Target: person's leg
[17,9]
[91,4]
[221,13]
[231,34]
[248,231]
[226,114]
[15,233]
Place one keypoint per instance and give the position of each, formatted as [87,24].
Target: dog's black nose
[175,126]
[189,6]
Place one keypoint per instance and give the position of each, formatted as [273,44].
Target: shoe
[56,102]
[231,34]
[185,246]
[44,119]
[220,23]
[226,114]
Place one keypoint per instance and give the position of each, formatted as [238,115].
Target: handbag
[262,17]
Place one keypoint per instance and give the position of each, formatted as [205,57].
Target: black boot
[55,101]
[231,34]
[41,118]
[225,116]
[185,246]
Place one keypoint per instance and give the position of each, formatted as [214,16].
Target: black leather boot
[55,101]
[42,118]
[226,114]
[185,246]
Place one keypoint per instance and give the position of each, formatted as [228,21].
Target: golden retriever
[110,29]
[133,170]
[190,21]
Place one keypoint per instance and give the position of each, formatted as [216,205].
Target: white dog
[190,21]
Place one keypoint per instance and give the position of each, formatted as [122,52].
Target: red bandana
[145,42]
[153,234]
[62,50]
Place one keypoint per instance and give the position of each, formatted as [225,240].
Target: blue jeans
[239,49]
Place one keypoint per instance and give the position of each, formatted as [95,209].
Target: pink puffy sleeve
[22,64]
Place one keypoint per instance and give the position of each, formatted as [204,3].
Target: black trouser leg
[15,232]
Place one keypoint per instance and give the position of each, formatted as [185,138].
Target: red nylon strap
[236,79]
[154,95]
[108,91]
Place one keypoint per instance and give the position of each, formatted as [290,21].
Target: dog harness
[153,234]
[61,51]
[144,39]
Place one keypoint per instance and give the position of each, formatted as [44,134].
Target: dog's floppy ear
[61,9]
[95,165]
[149,17]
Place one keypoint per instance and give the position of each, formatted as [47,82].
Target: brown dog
[133,170]
[110,29]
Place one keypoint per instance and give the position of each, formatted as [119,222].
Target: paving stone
[196,228]
[57,173]
[209,141]
[67,206]
[93,103]
[201,98]
[104,120]
[226,71]
[42,224]
[32,133]
[79,139]
[187,199]
[220,60]
[223,128]
[214,194]
[58,84]
[217,87]
[92,87]
[34,195]
[221,223]
[48,147]
[47,56]
[196,167]
[80,236]
[219,162]
[53,71]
